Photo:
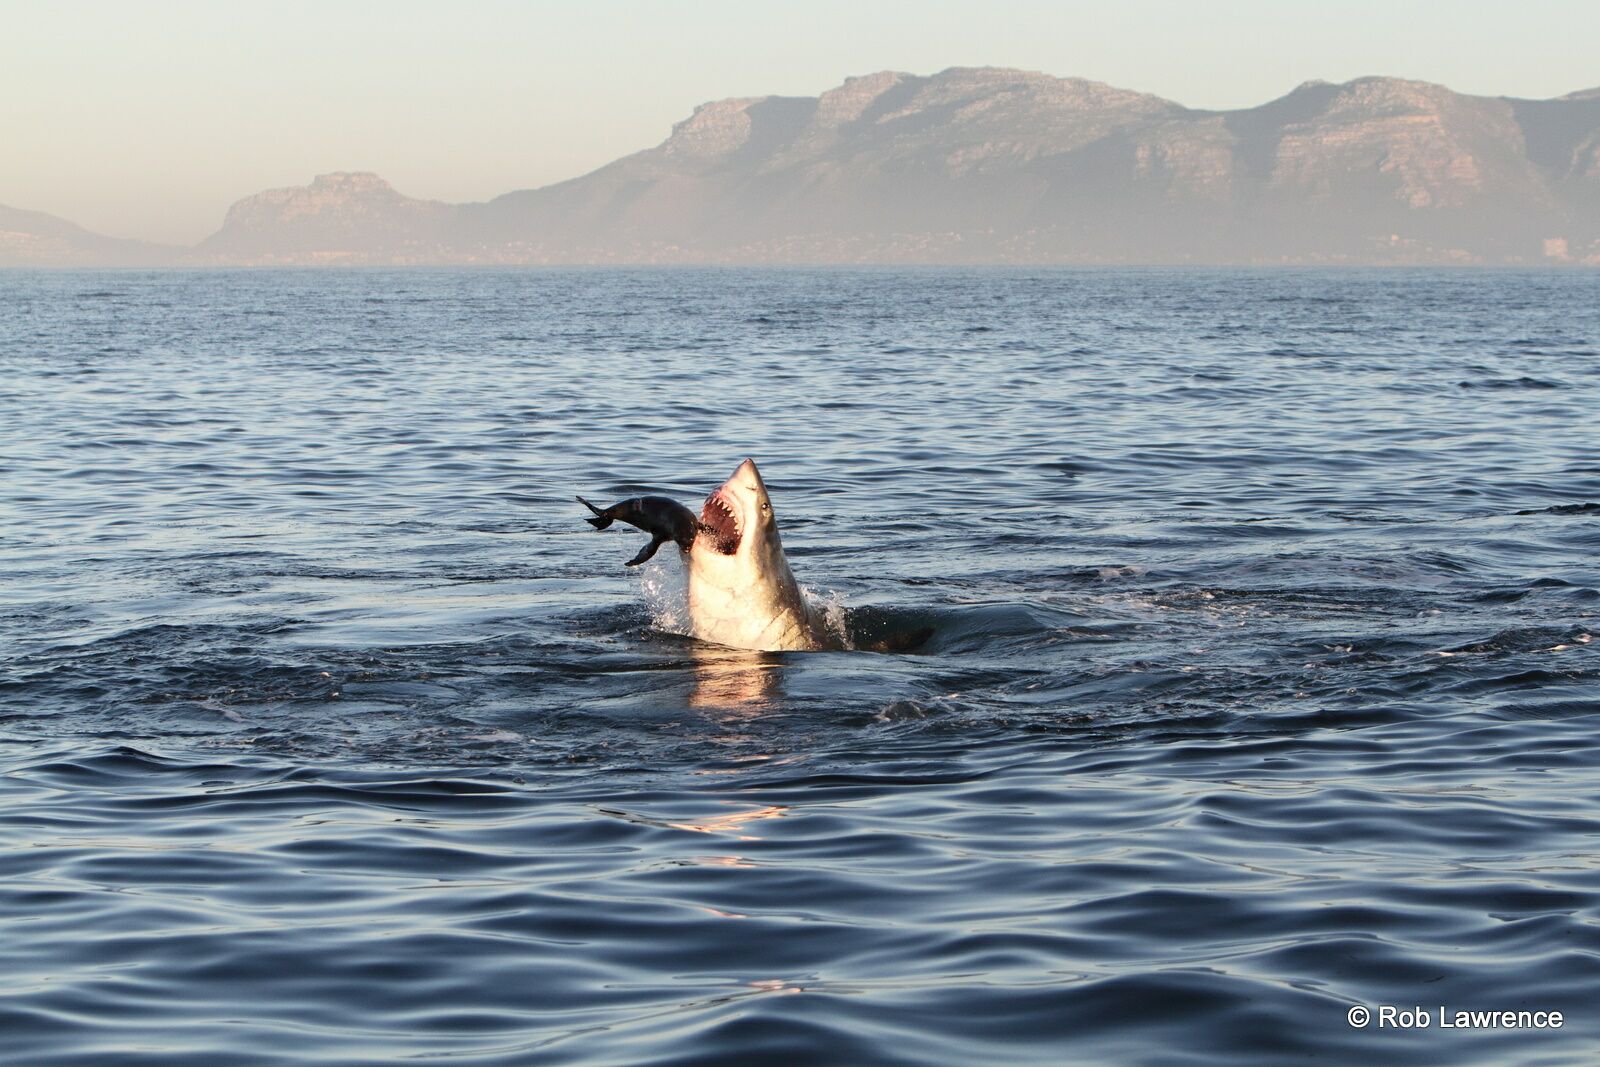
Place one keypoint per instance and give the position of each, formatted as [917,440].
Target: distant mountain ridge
[988,165]
[34,239]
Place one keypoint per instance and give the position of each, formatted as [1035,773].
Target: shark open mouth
[720,522]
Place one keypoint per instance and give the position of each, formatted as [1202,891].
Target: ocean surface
[1264,681]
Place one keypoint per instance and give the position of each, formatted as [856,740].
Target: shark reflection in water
[734,679]
[731,823]
[734,824]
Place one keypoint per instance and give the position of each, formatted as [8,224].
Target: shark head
[741,591]
[738,545]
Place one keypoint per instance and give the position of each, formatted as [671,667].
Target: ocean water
[1264,682]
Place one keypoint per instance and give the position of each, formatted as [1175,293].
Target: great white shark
[741,591]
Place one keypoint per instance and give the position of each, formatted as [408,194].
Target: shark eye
[765,506]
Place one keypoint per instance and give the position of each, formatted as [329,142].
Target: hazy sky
[147,119]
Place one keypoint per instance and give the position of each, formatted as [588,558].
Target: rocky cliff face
[999,165]
[992,165]
[346,217]
[885,166]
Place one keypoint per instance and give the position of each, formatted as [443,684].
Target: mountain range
[978,165]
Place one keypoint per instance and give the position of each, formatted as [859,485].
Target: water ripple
[1262,680]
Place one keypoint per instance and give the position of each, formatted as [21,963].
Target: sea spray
[664,583]
[829,607]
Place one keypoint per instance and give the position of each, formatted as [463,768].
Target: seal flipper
[647,551]
[601,521]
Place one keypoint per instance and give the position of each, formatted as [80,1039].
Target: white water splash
[664,583]
[830,608]
[495,736]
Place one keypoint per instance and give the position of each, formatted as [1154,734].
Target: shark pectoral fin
[647,551]
[601,520]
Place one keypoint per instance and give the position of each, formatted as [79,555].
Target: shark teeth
[721,521]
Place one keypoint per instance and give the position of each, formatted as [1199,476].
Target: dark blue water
[1264,681]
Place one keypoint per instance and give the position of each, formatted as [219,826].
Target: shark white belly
[738,619]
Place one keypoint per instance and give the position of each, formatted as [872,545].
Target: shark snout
[749,475]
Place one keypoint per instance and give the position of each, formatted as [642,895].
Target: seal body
[663,518]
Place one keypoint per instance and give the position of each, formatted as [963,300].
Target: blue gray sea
[1264,681]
